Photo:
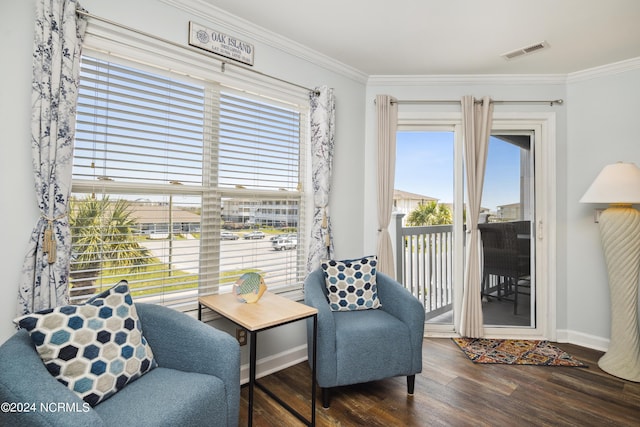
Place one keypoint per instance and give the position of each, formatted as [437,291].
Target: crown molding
[467,79]
[233,24]
[604,70]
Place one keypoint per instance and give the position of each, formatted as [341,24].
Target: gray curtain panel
[477,119]
[387,111]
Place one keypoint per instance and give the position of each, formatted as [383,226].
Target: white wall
[17,199]
[169,23]
[596,126]
[603,128]
[498,88]
[454,88]
[19,210]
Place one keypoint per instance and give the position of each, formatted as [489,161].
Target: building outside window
[162,164]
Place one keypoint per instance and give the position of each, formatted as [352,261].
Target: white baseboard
[582,339]
[562,336]
[274,363]
[295,355]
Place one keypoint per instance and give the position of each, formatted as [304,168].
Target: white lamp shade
[616,183]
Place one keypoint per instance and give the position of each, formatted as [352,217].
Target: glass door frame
[543,126]
[527,201]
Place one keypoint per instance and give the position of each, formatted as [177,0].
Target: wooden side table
[269,312]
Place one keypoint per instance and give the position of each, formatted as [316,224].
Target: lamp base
[620,231]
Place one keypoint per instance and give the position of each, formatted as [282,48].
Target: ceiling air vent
[525,50]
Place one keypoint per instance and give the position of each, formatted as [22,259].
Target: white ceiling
[435,37]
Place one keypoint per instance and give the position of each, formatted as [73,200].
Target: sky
[424,165]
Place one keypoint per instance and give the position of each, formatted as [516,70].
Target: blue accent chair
[196,383]
[366,345]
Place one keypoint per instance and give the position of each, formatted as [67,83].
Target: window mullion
[211,199]
[175,153]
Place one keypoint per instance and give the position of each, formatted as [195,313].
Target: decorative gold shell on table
[249,287]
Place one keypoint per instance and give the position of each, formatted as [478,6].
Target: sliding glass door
[506,225]
[518,200]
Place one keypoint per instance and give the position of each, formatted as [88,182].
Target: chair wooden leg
[326,397]
[411,383]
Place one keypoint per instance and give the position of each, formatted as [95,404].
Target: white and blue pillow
[96,348]
[351,284]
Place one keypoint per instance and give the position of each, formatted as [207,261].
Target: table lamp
[619,185]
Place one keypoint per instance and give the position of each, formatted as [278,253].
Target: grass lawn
[156,277]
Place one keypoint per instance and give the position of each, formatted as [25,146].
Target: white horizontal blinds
[140,152]
[259,173]
[137,127]
[155,132]
[106,40]
[259,145]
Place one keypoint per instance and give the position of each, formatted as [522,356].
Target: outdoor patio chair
[506,259]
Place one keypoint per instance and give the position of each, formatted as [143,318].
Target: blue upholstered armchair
[366,345]
[196,383]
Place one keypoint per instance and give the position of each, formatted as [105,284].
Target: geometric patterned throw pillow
[351,284]
[96,348]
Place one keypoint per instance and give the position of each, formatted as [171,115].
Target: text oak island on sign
[220,43]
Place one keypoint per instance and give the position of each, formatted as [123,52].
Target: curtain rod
[452,101]
[223,63]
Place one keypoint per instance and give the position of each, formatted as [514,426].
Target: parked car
[254,235]
[286,242]
[227,235]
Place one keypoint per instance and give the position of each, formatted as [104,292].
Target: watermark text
[48,407]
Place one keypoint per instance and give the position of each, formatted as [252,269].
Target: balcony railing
[424,264]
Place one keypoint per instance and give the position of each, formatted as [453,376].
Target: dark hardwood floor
[453,391]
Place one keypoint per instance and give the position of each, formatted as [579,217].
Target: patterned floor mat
[515,352]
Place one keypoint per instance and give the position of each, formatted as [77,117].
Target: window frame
[108,42]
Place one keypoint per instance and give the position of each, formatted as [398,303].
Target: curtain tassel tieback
[325,226]
[49,240]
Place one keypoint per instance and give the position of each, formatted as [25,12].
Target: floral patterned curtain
[322,143]
[59,33]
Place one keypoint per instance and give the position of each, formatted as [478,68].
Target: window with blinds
[180,186]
